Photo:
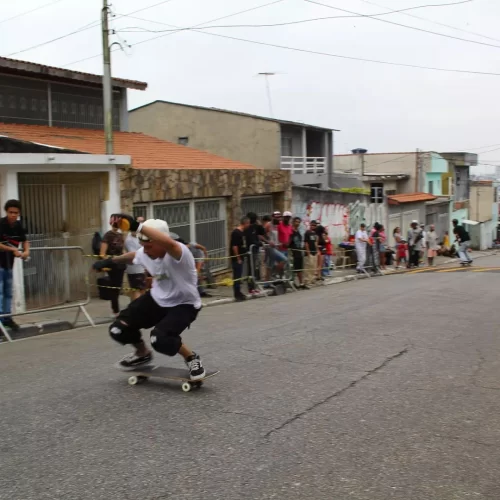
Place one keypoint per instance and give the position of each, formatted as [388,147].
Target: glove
[124,222]
[103,264]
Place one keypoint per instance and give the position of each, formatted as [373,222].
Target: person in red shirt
[327,258]
[285,231]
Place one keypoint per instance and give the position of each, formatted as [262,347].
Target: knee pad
[165,343]
[123,334]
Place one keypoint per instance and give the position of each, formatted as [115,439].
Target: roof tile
[411,197]
[146,151]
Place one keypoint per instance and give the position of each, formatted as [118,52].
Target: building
[483,214]
[304,150]
[52,158]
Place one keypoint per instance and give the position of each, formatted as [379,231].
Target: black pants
[116,280]
[237,275]
[168,323]
[414,257]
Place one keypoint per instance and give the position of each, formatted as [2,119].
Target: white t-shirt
[174,281]
[361,234]
[132,244]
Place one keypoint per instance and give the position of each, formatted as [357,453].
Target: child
[327,259]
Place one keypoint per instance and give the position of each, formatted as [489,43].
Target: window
[203,221]
[376,192]
[431,187]
[183,141]
[286,146]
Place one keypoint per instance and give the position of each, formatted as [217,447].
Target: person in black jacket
[463,239]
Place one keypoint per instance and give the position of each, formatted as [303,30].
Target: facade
[304,150]
[484,210]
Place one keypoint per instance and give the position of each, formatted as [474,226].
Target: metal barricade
[54,278]
[265,270]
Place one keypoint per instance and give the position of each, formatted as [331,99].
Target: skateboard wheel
[133,380]
[186,386]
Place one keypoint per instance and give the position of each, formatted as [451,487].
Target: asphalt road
[387,388]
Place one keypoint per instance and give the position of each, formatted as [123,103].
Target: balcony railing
[304,165]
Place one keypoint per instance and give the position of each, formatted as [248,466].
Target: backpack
[96,243]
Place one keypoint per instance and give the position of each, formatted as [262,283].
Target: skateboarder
[169,307]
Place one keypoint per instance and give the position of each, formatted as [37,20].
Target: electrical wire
[178,29]
[436,22]
[25,13]
[86,27]
[289,23]
[405,25]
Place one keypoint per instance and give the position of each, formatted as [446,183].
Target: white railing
[304,164]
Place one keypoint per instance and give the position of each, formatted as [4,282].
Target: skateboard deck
[465,263]
[141,375]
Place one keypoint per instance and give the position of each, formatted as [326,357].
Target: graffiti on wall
[340,220]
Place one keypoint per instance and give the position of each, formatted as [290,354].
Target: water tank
[359,151]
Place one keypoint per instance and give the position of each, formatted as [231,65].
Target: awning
[471,222]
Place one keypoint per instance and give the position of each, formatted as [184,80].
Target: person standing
[361,241]
[135,272]
[12,234]
[238,251]
[252,235]
[414,244]
[432,244]
[463,240]
[296,246]
[327,259]
[424,243]
[398,244]
[112,245]
[311,251]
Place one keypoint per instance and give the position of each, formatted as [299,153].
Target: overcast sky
[379,107]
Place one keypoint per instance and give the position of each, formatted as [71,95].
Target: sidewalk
[100,311]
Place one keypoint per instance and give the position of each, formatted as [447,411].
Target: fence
[55,278]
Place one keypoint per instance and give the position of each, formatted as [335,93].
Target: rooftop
[25,68]
[218,110]
[146,151]
[398,199]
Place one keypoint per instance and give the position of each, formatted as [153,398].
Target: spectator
[135,272]
[463,239]
[238,250]
[424,242]
[432,244]
[112,245]
[311,251]
[200,253]
[12,235]
[284,232]
[252,259]
[276,259]
[414,244]
[382,246]
[297,247]
[399,246]
[320,264]
[327,259]
[361,241]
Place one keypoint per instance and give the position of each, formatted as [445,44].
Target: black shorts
[144,312]
[298,263]
[137,281]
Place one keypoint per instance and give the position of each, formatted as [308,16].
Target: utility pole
[107,86]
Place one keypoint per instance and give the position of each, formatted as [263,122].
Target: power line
[284,23]
[179,29]
[436,22]
[86,27]
[25,13]
[405,25]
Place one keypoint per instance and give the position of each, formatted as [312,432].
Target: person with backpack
[463,240]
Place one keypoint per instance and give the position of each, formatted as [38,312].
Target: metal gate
[58,210]
[261,205]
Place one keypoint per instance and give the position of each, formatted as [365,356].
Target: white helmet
[158,224]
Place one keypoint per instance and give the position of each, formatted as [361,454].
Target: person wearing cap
[361,241]
[414,244]
[169,307]
[276,260]
[285,231]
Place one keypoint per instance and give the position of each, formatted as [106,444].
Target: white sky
[378,107]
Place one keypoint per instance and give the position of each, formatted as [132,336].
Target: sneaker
[240,298]
[12,325]
[205,294]
[305,287]
[196,370]
[132,361]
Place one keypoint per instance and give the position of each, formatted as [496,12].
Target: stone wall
[143,186]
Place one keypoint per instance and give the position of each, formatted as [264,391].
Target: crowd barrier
[54,278]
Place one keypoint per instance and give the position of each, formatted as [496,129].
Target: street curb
[33,330]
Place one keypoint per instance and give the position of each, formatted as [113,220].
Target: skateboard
[141,375]
[463,264]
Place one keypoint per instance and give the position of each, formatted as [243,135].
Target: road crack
[337,394]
